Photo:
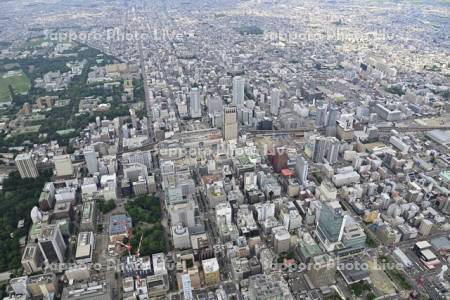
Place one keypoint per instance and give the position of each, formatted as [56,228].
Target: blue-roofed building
[441,244]
[119,227]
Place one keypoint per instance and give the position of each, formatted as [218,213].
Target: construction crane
[128,247]
[138,252]
[130,233]
[338,292]
[137,255]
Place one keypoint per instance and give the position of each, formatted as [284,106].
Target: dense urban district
[224,149]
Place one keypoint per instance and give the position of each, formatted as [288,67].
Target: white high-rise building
[331,121]
[275,101]
[230,126]
[90,156]
[238,90]
[26,166]
[133,117]
[183,213]
[301,169]
[224,212]
[195,108]
[167,173]
[321,115]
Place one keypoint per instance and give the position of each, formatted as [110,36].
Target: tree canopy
[16,201]
[145,212]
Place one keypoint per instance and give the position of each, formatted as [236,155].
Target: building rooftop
[210,265]
[441,243]
[423,245]
[119,224]
[439,136]
[429,255]
[159,263]
[23,156]
[48,232]
[87,291]
[355,274]
[30,251]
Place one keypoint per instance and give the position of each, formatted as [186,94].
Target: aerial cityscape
[224,149]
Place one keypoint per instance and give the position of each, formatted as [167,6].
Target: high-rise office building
[321,115]
[330,224]
[230,126]
[326,149]
[215,104]
[331,121]
[133,117]
[246,116]
[167,173]
[195,108]
[333,114]
[183,213]
[301,169]
[345,127]
[52,244]
[90,156]
[238,90]
[275,101]
[319,149]
[333,150]
[26,166]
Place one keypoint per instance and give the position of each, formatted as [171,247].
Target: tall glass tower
[330,225]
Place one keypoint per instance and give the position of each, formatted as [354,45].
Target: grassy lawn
[17,79]
[33,43]
[65,131]
[381,282]
[395,275]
